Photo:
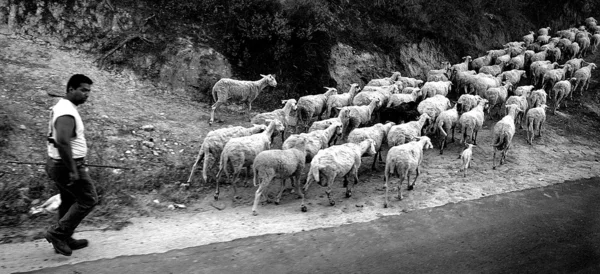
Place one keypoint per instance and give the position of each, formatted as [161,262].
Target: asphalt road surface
[553,229]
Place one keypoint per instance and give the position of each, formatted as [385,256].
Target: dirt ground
[121,104]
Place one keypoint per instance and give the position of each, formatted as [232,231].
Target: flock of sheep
[400,112]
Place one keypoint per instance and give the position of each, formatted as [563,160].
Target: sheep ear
[284,101]
[263,76]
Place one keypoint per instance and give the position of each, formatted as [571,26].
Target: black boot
[77,244]
[60,245]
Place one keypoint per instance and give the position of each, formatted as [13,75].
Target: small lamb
[240,152]
[403,160]
[341,160]
[237,90]
[466,157]
[503,133]
[535,121]
[278,164]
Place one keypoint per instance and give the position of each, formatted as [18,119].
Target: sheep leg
[281,189]
[246,177]
[406,175]
[373,167]
[453,128]
[494,159]
[474,136]
[248,111]
[328,191]
[198,159]
[296,179]
[387,188]
[348,187]
[258,194]
[214,109]
[412,186]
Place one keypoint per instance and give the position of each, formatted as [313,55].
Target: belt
[78,161]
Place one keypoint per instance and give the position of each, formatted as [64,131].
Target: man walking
[65,166]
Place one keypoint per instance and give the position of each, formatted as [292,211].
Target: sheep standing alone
[384,81]
[535,121]
[377,133]
[312,105]
[212,146]
[282,114]
[560,91]
[503,133]
[237,90]
[240,152]
[466,157]
[278,164]
[446,121]
[403,160]
[344,160]
[336,101]
[315,140]
[583,76]
[403,133]
[472,121]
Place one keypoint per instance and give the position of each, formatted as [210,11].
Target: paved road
[554,229]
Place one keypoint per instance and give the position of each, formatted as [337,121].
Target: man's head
[78,89]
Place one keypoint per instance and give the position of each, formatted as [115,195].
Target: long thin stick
[92,165]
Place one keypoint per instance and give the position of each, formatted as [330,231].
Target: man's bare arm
[65,128]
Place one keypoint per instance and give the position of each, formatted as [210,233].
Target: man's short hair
[76,80]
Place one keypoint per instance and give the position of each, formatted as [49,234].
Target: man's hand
[73,177]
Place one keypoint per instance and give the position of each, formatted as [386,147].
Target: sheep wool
[377,133]
[503,133]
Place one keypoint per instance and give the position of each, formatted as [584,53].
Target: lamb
[340,100]
[237,90]
[409,82]
[466,157]
[495,53]
[378,133]
[540,56]
[384,81]
[522,103]
[497,96]
[583,76]
[560,91]
[356,116]
[553,76]
[472,121]
[399,98]
[278,164]
[403,133]
[240,152]
[403,160]
[528,39]
[503,133]
[523,90]
[212,146]
[315,140]
[536,117]
[446,121]
[433,107]
[563,43]
[431,89]
[402,113]
[344,160]
[282,114]
[312,105]
[467,102]
[537,98]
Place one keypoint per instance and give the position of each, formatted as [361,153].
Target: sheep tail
[441,129]
[502,142]
[214,95]
[315,173]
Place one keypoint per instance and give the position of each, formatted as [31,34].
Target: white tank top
[78,144]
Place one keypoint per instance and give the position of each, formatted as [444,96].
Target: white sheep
[503,133]
[528,39]
[479,62]
[439,74]
[278,164]
[467,157]
[537,98]
[460,80]
[282,114]
[464,66]
[543,31]
[479,83]
[493,70]
[520,90]
[356,116]
[315,140]
[212,146]
[312,105]
[472,121]
[399,98]
[403,160]
[369,93]
[535,121]
[560,91]
[433,107]
[517,62]
[445,122]
[583,76]
[377,133]
[467,102]
[496,97]
[404,133]
[572,50]
[431,89]
[575,63]
[340,100]
[341,160]
[552,76]
[240,152]
[523,103]
[513,76]
[384,81]
[595,42]
[238,90]
[409,82]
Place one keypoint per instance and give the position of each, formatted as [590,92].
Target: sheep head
[425,141]
[371,150]
[270,79]
[330,91]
